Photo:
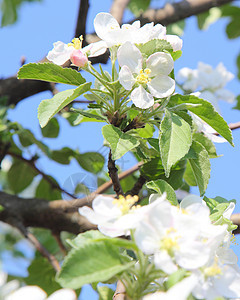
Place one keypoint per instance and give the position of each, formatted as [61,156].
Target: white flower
[179,291]
[189,79]
[108,29]
[208,131]
[36,293]
[114,217]
[217,280]
[181,236]
[152,80]
[62,52]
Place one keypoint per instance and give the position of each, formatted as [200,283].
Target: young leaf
[175,140]
[200,166]
[20,176]
[207,144]
[105,293]
[91,161]
[153,46]
[91,115]
[206,112]
[63,156]
[120,142]
[51,130]
[92,262]
[45,190]
[49,107]
[161,186]
[51,72]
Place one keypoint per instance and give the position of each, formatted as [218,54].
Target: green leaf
[90,115]
[206,143]
[42,274]
[120,142]
[63,156]
[189,175]
[46,191]
[176,28]
[155,45]
[209,17]
[51,130]
[20,176]
[175,140]
[105,293]
[49,107]
[27,138]
[51,72]
[154,170]
[200,166]
[233,28]
[206,112]
[161,186]
[91,161]
[137,7]
[154,143]
[175,278]
[92,262]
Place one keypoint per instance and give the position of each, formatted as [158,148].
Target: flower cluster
[145,77]
[174,238]
[210,82]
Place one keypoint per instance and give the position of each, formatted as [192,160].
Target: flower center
[213,270]
[143,77]
[76,43]
[125,204]
[169,243]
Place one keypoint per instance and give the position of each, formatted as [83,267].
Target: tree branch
[118,8]
[113,173]
[82,19]
[137,186]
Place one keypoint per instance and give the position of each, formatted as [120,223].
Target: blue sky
[41,24]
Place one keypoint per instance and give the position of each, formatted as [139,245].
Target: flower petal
[160,63]
[95,49]
[163,261]
[63,294]
[125,78]
[129,55]
[175,42]
[141,98]
[161,86]
[28,293]
[60,53]
[103,23]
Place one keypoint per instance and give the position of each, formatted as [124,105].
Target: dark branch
[137,186]
[113,173]
[82,19]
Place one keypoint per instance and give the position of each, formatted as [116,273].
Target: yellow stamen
[76,43]
[213,270]
[169,243]
[143,77]
[126,204]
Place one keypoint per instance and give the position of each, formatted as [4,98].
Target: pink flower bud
[78,58]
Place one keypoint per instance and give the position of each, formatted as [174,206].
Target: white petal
[105,206]
[161,86]
[141,98]
[175,42]
[95,49]
[63,294]
[129,55]
[160,63]
[103,23]
[191,199]
[225,95]
[92,217]
[228,212]
[28,293]
[60,53]
[125,78]
[164,262]
[146,238]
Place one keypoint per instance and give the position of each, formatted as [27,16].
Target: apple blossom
[181,236]
[63,52]
[206,129]
[108,29]
[151,81]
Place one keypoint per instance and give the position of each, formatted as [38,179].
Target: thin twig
[57,237]
[51,258]
[113,173]
[120,293]
[82,18]
[232,126]
[137,186]
[31,163]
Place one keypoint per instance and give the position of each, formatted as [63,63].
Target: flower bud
[78,58]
